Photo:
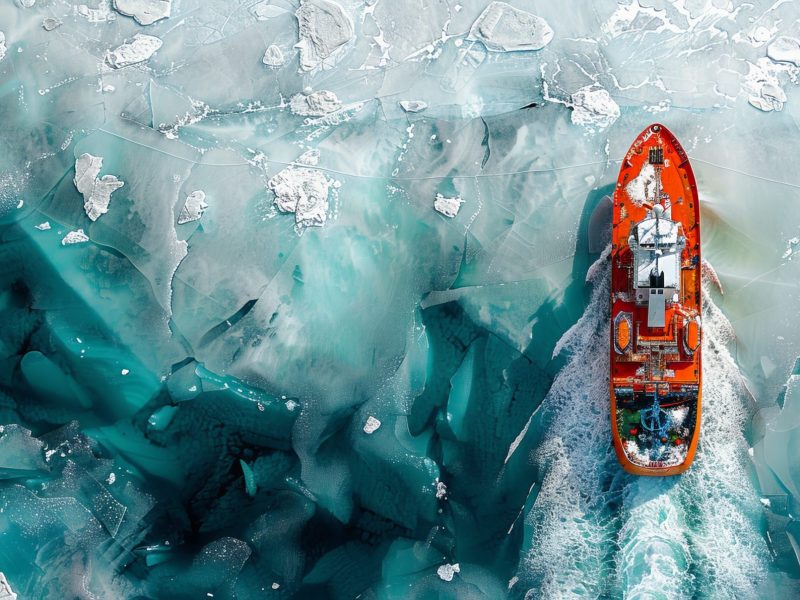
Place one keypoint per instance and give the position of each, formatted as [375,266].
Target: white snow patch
[96,192]
[503,28]
[641,188]
[447,572]
[372,425]
[146,12]
[75,237]
[140,49]
[193,208]
[324,31]
[449,207]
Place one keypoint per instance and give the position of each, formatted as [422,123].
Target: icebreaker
[655,308]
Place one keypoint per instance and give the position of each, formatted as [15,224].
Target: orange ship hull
[656,328]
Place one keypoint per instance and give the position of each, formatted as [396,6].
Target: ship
[656,327]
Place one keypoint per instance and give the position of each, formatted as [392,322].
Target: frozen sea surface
[307,298]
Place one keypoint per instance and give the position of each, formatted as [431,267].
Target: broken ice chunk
[785,49]
[314,104]
[50,23]
[503,28]
[193,208]
[447,572]
[43,226]
[146,12]
[3,48]
[594,107]
[139,50]
[449,207]
[441,490]
[273,57]
[96,192]
[304,192]
[324,30]
[412,106]
[6,593]
[75,237]
[763,87]
[372,425]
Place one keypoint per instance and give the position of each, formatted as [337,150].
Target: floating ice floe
[449,207]
[412,106]
[50,23]
[193,208]
[100,14]
[324,30]
[593,106]
[372,425]
[441,490]
[96,192]
[3,48]
[140,49]
[273,57]
[6,593]
[763,87]
[146,12]
[43,226]
[503,28]
[785,49]
[314,104]
[447,572]
[304,191]
[74,237]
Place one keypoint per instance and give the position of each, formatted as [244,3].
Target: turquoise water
[320,383]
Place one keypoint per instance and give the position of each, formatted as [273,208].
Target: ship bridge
[657,245]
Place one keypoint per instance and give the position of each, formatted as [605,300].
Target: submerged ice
[410,398]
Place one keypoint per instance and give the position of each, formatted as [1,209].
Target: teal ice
[308,299]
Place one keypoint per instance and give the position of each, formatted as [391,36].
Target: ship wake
[600,532]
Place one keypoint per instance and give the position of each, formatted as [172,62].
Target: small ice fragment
[265,10]
[108,88]
[74,237]
[124,371]
[324,30]
[6,593]
[112,477]
[51,23]
[449,207]
[303,191]
[3,48]
[503,28]
[412,106]
[513,581]
[314,104]
[193,208]
[43,226]
[27,3]
[146,12]
[785,49]
[96,192]
[765,502]
[441,490]
[291,404]
[750,451]
[273,57]
[139,50]
[446,571]
[372,425]
[275,586]
[593,106]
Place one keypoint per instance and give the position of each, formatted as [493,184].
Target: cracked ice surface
[401,195]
